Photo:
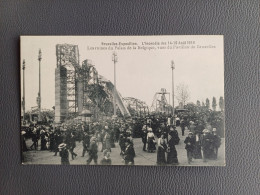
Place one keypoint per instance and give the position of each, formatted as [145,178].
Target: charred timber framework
[72,85]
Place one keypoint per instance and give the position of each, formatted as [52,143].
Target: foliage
[214,104]
[182,93]
[207,103]
[221,103]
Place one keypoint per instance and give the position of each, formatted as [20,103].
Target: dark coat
[190,143]
[64,154]
[129,154]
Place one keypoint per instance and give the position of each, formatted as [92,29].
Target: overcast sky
[140,73]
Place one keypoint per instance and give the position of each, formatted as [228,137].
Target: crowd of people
[202,141]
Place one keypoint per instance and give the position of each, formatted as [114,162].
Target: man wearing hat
[216,142]
[129,153]
[64,154]
[93,150]
[190,143]
[85,143]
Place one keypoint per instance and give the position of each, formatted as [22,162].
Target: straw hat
[62,146]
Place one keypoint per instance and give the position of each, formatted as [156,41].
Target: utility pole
[173,67]
[23,101]
[115,60]
[39,94]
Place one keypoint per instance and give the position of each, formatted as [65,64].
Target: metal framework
[72,85]
[68,58]
[160,103]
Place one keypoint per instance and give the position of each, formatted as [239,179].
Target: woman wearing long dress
[162,147]
[151,140]
[173,140]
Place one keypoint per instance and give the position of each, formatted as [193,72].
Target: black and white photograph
[122,100]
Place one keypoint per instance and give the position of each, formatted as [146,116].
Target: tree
[198,103]
[182,93]
[203,104]
[207,103]
[214,103]
[221,103]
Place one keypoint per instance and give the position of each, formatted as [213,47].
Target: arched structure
[138,106]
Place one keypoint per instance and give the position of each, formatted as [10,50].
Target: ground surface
[142,158]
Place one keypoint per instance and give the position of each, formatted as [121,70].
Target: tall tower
[66,85]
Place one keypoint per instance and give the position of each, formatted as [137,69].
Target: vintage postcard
[123,100]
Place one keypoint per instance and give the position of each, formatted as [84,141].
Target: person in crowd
[101,139]
[173,139]
[106,140]
[72,145]
[162,148]
[144,136]
[129,153]
[207,145]
[197,146]
[58,139]
[24,147]
[209,127]
[52,140]
[93,150]
[122,140]
[192,127]
[34,140]
[112,136]
[216,143]
[117,132]
[200,126]
[43,140]
[182,125]
[151,140]
[177,121]
[85,143]
[190,143]
[106,159]
[64,154]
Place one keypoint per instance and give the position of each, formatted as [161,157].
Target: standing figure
[207,145]
[117,132]
[144,136]
[57,141]
[190,143]
[93,150]
[106,140]
[122,140]
[43,140]
[216,143]
[197,147]
[72,145]
[51,136]
[173,140]
[101,139]
[24,147]
[64,154]
[182,124]
[162,147]
[129,153]
[34,140]
[85,143]
[151,140]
